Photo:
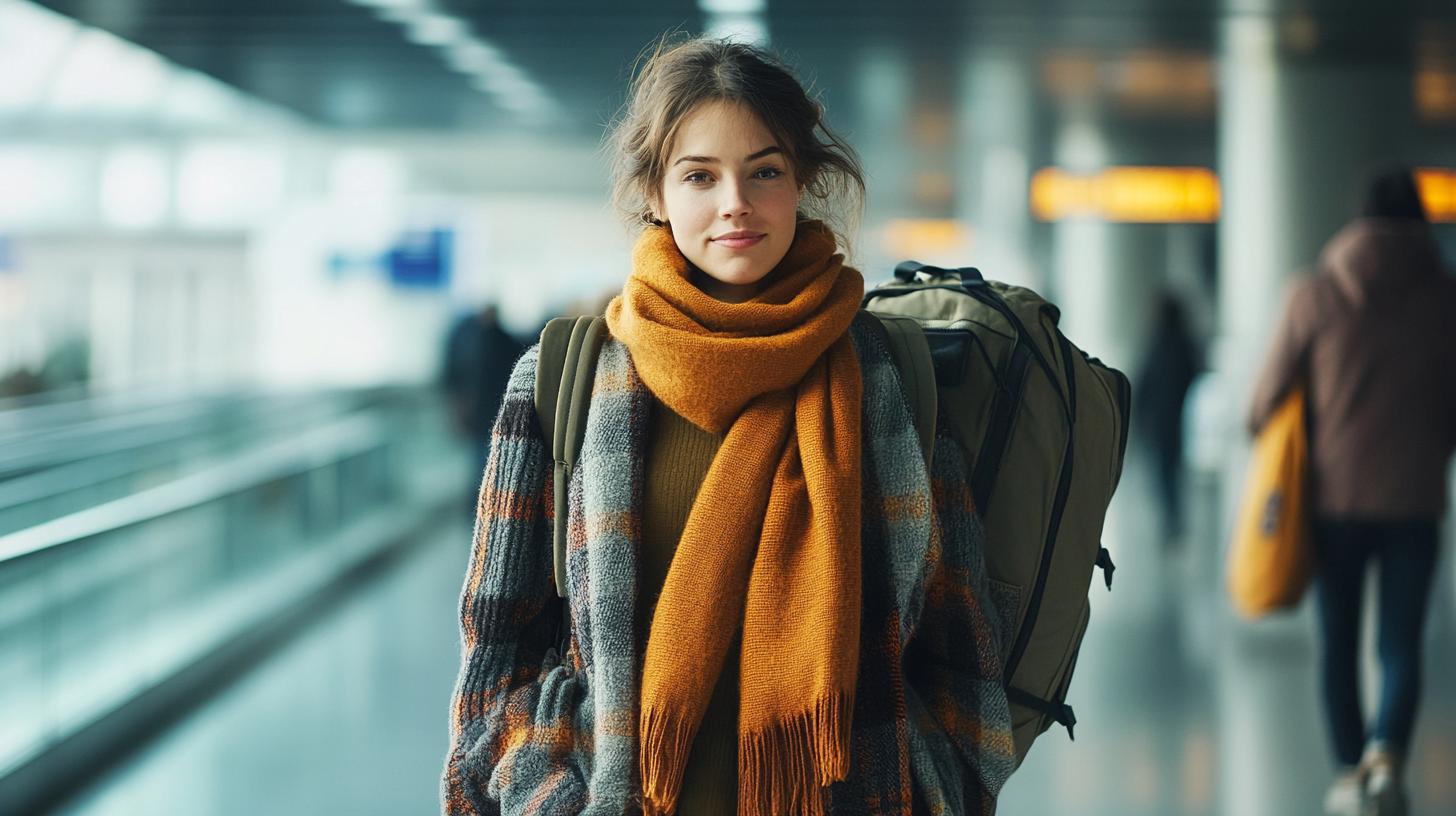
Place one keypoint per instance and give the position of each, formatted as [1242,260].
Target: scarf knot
[749,349]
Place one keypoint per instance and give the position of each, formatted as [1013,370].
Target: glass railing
[50,468]
[102,605]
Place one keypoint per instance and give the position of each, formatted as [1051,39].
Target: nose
[735,203]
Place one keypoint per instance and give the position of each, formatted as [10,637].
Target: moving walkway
[149,549]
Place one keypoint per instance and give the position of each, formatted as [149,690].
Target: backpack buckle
[1104,560]
[907,270]
[1067,719]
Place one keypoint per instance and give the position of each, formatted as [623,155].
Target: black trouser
[1406,553]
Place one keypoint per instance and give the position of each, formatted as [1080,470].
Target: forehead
[723,130]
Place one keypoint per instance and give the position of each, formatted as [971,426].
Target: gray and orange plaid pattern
[534,731]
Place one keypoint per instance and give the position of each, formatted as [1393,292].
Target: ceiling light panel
[54,68]
[436,30]
[32,42]
[101,71]
[733,6]
[490,72]
[735,20]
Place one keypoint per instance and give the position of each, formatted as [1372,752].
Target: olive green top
[678,457]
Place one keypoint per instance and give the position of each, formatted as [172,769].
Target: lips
[741,239]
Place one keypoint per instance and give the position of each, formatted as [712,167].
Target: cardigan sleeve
[510,674]
[955,697]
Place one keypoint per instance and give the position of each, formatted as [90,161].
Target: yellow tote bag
[1271,557]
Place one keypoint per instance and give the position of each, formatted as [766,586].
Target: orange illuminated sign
[941,238]
[1438,192]
[1150,195]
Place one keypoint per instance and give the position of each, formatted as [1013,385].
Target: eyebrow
[767,151]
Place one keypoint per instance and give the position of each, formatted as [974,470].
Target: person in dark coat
[1168,371]
[479,356]
[1373,334]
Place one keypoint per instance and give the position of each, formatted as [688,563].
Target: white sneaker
[1384,794]
[1347,796]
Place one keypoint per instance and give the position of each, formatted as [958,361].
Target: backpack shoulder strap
[564,375]
[554,340]
[911,353]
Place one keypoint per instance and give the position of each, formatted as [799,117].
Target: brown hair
[677,77]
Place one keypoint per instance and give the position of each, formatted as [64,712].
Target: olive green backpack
[1041,427]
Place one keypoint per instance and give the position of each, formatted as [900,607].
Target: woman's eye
[765,173]
[697,177]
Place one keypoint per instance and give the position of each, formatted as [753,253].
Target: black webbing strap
[1054,522]
[1061,713]
[998,431]
[1104,560]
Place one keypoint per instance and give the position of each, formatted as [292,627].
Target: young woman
[775,608]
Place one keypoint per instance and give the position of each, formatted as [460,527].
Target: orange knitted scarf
[772,541]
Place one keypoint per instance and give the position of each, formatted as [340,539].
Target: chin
[737,272]
[744,278]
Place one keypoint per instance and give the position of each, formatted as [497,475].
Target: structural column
[1082,277]
[883,94]
[996,123]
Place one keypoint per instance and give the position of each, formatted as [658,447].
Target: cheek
[783,206]
[685,209]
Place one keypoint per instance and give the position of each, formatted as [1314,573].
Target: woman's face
[730,198]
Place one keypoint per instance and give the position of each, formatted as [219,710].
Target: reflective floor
[1184,710]
[1181,710]
[350,718]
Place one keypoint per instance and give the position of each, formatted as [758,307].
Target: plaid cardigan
[543,726]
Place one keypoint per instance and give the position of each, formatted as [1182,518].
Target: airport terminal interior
[244,245]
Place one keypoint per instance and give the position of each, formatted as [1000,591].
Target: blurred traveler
[479,356]
[1374,336]
[594,305]
[1167,373]
[735,640]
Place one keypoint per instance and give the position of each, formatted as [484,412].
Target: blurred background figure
[479,355]
[593,305]
[1373,334]
[1172,362]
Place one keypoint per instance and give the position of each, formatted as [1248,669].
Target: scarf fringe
[779,766]
[666,741]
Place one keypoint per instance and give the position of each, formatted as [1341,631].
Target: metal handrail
[49,447]
[40,411]
[101,435]
[88,454]
[310,450]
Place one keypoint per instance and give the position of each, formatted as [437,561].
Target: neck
[725,292]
